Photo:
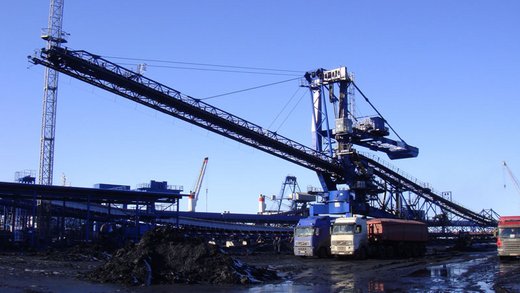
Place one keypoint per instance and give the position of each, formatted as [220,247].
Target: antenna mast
[54,37]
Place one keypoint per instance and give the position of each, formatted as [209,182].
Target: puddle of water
[45,284]
[444,271]
[289,287]
[473,274]
[447,271]
[476,275]
[486,287]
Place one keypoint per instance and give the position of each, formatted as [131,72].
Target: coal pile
[164,256]
[80,252]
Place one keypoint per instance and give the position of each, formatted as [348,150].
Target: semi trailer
[386,238]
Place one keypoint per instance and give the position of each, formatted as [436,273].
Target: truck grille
[342,243]
[302,243]
[303,251]
[511,246]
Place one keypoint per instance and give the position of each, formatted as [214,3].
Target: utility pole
[54,37]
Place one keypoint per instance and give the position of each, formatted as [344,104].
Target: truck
[385,238]
[312,236]
[508,237]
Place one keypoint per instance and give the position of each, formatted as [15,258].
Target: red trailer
[401,237]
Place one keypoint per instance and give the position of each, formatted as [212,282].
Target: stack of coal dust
[80,252]
[164,256]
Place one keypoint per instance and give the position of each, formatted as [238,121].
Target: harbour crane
[512,176]
[366,176]
[194,195]
[287,194]
[339,141]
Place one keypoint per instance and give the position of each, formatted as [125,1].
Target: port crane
[194,195]
[339,141]
[366,175]
[289,200]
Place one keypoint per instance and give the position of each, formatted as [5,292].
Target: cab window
[343,229]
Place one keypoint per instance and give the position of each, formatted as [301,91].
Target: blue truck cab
[312,236]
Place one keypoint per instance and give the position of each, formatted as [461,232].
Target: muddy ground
[441,271]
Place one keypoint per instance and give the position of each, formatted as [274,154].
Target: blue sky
[444,73]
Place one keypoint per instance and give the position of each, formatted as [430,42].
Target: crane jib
[104,74]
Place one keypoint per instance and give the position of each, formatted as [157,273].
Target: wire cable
[204,64]
[290,112]
[283,108]
[249,89]
[209,69]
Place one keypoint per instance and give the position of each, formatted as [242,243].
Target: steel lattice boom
[427,193]
[119,80]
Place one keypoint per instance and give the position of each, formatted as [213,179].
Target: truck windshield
[509,232]
[303,231]
[343,229]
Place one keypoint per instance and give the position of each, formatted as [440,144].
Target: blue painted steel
[338,207]
[339,202]
[241,218]
[340,195]
[323,140]
[160,186]
[318,209]
[111,186]
[368,133]
[80,194]
[312,236]
[156,185]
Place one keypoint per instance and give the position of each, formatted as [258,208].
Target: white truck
[386,238]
